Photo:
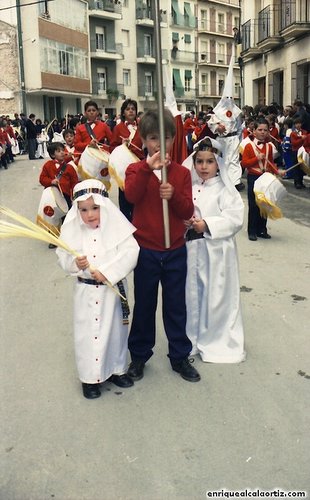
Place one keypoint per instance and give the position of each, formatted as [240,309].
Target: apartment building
[276,51]
[74,50]
[215,40]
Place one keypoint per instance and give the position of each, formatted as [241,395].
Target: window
[63,62]
[125,38]
[59,58]
[220,23]
[148,45]
[221,52]
[221,82]
[175,37]
[203,19]
[187,38]
[100,38]
[187,80]
[102,80]
[204,50]
[189,19]
[204,83]
[148,84]
[126,77]
[177,83]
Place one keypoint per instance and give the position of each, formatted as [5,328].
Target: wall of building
[9,75]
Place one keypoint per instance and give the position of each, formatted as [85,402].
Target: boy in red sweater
[258,157]
[298,139]
[92,132]
[143,188]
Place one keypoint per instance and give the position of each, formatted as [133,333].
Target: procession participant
[127,132]
[96,229]
[226,123]
[298,138]
[70,152]
[93,132]
[57,172]
[258,157]
[214,320]
[156,263]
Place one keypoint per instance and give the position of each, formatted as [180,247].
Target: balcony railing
[268,23]
[215,58]
[294,11]
[185,56]
[228,2]
[99,88]
[145,12]
[106,5]
[249,34]
[147,54]
[109,48]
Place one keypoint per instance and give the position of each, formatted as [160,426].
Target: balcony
[219,30]
[268,29]
[228,3]
[100,90]
[250,50]
[214,59]
[205,90]
[183,56]
[186,20]
[294,18]
[149,57]
[111,52]
[105,9]
[144,16]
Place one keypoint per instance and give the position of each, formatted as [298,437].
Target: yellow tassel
[267,209]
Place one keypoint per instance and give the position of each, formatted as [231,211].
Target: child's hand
[82,262]
[166,191]
[260,156]
[55,182]
[97,275]
[93,143]
[221,128]
[155,162]
[281,172]
[188,223]
[199,226]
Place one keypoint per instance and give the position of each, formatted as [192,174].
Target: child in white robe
[214,321]
[103,237]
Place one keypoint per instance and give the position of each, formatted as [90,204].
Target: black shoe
[252,237]
[185,369]
[52,246]
[265,236]
[121,380]
[91,391]
[240,186]
[135,370]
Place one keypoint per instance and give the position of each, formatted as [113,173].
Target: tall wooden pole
[160,94]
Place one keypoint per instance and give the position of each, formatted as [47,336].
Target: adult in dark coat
[31,136]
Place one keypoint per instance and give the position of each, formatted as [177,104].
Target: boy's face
[152,143]
[69,139]
[206,165]
[298,126]
[91,113]
[261,132]
[130,113]
[90,213]
[59,155]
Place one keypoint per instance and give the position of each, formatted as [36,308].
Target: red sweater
[82,138]
[67,181]
[120,130]
[251,162]
[297,140]
[142,189]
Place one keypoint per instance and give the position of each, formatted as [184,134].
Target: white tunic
[214,321]
[99,334]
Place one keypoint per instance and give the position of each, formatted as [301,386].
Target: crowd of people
[198,270]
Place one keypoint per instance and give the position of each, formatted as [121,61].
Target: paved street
[242,426]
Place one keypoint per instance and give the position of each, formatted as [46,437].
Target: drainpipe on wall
[21,58]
